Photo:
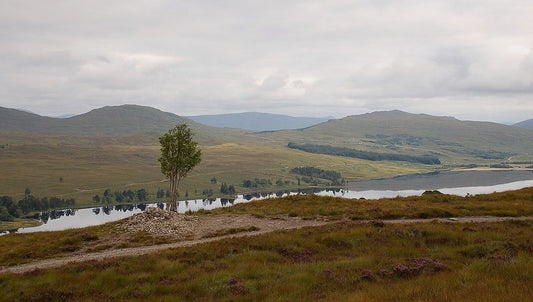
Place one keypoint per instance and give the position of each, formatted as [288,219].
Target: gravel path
[208,225]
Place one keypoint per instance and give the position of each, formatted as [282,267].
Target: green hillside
[451,140]
[109,121]
[117,148]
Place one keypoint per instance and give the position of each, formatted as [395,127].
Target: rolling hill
[525,124]
[418,134]
[117,148]
[109,121]
[257,121]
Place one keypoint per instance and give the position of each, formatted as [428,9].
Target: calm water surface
[400,186]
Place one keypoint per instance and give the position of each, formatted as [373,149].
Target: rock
[160,222]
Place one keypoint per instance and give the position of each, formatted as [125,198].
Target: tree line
[367,155]
[313,172]
[254,183]
[127,196]
[10,209]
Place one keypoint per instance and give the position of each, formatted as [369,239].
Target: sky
[469,59]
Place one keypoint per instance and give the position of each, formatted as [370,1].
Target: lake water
[412,185]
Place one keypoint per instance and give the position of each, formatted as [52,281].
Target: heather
[341,261]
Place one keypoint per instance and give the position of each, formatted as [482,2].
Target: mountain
[18,120]
[417,134]
[525,124]
[116,147]
[257,121]
[122,120]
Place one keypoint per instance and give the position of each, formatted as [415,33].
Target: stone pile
[160,222]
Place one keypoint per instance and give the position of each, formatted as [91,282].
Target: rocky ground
[158,222]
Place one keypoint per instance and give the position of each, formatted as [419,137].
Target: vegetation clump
[179,155]
[9,209]
[419,265]
[367,155]
[313,173]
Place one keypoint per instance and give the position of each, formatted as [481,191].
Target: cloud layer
[472,60]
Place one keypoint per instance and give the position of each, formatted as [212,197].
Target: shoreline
[490,169]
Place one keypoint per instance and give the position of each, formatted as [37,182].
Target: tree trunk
[174,185]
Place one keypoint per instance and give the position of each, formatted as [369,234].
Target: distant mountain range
[417,134]
[117,145]
[258,121]
[122,120]
[525,124]
[386,131]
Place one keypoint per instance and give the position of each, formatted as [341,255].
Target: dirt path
[209,225]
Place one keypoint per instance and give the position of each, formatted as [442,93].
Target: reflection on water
[77,218]
[69,218]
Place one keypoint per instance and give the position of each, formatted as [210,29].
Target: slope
[525,124]
[418,134]
[109,121]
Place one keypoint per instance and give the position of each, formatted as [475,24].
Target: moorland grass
[511,203]
[21,248]
[18,223]
[65,167]
[346,261]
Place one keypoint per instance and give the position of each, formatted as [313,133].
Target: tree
[224,188]
[142,195]
[179,155]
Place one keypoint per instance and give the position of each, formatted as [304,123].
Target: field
[116,148]
[83,168]
[347,259]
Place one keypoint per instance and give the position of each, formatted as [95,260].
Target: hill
[525,124]
[257,121]
[116,148]
[108,121]
[418,134]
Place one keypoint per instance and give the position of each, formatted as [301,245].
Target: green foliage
[5,215]
[334,176]
[30,203]
[126,196]
[228,190]
[179,155]
[255,183]
[367,155]
[160,193]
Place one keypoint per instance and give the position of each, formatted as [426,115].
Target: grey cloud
[322,58]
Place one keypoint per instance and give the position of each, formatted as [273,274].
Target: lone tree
[179,155]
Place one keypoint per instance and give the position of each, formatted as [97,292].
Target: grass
[18,223]
[337,262]
[21,248]
[87,168]
[512,203]
[89,164]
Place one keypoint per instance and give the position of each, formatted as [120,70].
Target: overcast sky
[468,59]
